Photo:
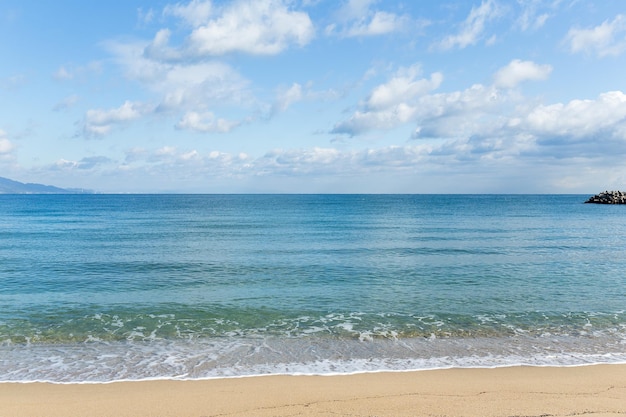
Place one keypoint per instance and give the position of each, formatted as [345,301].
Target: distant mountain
[8,186]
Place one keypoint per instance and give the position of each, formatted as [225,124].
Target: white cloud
[67,103]
[530,22]
[497,128]
[170,163]
[159,49]
[404,86]
[135,154]
[166,151]
[181,82]
[259,27]
[145,17]
[187,156]
[319,161]
[298,161]
[391,104]
[473,27]
[364,121]
[185,88]
[87,163]
[518,71]
[604,116]
[135,65]
[91,162]
[64,164]
[5,144]
[63,74]
[379,24]
[196,12]
[535,13]
[356,18]
[12,82]
[477,110]
[66,73]
[322,161]
[287,97]
[608,38]
[188,80]
[197,85]
[512,161]
[206,122]
[431,112]
[494,121]
[521,125]
[354,9]
[99,122]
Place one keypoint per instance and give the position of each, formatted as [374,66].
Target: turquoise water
[117,287]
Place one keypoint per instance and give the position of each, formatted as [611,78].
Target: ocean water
[98,288]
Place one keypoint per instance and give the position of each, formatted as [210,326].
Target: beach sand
[597,391]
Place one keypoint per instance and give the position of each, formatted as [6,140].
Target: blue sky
[359,96]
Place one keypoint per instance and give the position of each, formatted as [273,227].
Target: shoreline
[597,390]
[131,362]
[311,374]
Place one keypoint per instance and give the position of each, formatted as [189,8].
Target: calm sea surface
[124,287]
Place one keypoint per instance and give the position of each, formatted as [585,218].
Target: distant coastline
[8,186]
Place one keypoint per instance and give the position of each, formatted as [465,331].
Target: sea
[100,288]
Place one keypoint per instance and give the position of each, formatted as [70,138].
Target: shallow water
[110,287]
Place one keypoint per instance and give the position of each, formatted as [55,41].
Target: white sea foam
[100,362]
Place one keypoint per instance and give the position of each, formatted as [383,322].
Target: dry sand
[593,391]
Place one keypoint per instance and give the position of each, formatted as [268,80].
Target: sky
[314,96]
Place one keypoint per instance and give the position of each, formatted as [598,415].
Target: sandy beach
[598,391]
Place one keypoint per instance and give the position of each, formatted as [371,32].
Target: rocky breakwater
[608,197]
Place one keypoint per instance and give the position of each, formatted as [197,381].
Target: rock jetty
[608,197]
